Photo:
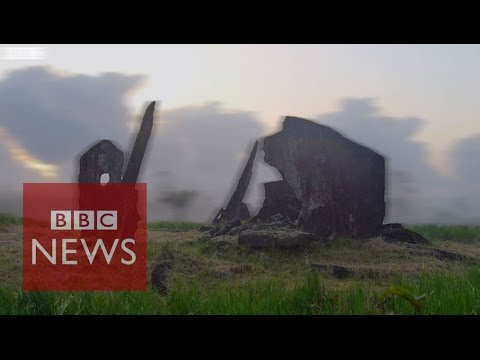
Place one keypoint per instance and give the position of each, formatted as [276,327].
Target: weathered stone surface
[102,158]
[391,226]
[160,276]
[236,208]
[339,183]
[222,228]
[131,218]
[205,228]
[106,158]
[139,147]
[279,200]
[275,238]
[397,233]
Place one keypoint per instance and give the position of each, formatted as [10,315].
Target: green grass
[7,219]
[443,294]
[187,299]
[174,225]
[269,282]
[457,233]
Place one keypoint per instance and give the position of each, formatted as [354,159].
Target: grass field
[173,225]
[7,220]
[220,277]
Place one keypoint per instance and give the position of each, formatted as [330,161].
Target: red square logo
[84,236]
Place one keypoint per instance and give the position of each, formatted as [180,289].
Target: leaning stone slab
[236,208]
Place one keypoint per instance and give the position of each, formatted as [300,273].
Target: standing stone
[106,158]
[102,158]
[339,183]
[236,208]
[140,146]
[130,219]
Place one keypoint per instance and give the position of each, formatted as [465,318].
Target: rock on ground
[397,233]
[160,276]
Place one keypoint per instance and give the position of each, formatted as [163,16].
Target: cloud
[48,119]
[412,183]
[416,192]
[360,120]
[22,156]
[199,148]
[53,116]
[465,156]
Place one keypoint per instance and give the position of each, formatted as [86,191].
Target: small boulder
[160,276]
[338,271]
[341,272]
[393,233]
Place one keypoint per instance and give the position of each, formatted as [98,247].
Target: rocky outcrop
[102,158]
[331,187]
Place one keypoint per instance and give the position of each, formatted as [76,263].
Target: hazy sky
[439,84]
[415,104]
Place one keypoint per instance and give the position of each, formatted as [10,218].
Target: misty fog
[196,152]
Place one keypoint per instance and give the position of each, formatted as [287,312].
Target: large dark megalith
[339,183]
